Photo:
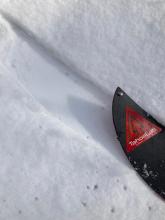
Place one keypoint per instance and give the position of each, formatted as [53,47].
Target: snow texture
[60,64]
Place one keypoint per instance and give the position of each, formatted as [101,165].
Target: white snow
[60,64]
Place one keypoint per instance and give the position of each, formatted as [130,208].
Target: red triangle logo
[138,129]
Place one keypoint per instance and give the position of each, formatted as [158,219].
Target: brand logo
[138,129]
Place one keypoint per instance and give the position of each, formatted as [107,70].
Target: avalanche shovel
[142,139]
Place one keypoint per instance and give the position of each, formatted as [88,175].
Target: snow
[60,64]
[108,43]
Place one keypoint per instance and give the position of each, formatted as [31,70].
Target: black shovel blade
[142,139]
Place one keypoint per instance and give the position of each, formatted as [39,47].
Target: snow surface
[60,64]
